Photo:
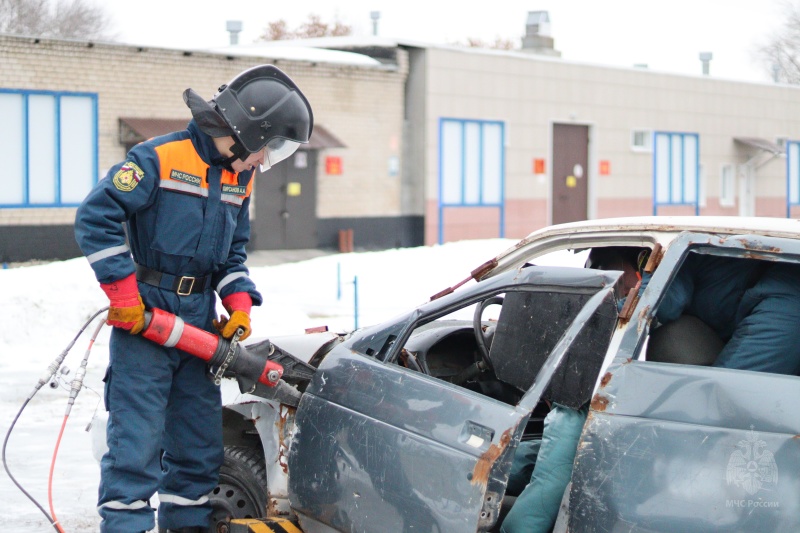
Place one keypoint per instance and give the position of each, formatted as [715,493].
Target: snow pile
[43,307]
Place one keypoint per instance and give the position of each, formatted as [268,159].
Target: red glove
[238,306]
[126,310]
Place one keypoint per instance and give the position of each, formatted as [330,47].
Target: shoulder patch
[128,177]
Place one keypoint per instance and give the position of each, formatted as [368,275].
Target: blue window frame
[792,176]
[48,145]
[471,166]
[676,170]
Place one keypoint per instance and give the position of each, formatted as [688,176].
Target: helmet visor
[276,151]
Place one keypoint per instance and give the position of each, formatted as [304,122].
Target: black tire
[242,488]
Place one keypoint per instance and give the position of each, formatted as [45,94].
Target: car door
[381,446]
[679,447]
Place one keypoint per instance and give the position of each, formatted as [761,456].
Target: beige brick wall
[47,216]
[361,105]
[529,93]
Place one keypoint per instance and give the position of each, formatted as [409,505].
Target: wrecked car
[412,424]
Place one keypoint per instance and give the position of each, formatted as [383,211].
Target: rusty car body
[411,425]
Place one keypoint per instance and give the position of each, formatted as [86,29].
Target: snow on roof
[281,50]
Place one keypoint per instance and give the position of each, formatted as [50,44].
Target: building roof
[761,144]
[282,50]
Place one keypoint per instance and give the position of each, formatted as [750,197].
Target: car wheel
[242,488]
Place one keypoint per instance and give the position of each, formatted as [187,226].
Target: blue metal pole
[338,281]
[355,300]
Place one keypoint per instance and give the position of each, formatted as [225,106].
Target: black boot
[190,529]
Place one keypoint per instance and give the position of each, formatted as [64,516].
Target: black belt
[182,285]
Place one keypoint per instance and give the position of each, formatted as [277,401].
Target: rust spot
[599,403]
[439,294]
[282,445]
[753,255]
[642,317]
[655,258]
[605,380]
[404,357]
[272,507]
[481,473]
[758,247]
[484,269]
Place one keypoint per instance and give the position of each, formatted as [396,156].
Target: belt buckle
[188,291]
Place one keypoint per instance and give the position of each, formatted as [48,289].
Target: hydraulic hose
[46,377]
[76,385]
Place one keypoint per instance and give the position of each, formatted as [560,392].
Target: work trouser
[159,400]
[536,508]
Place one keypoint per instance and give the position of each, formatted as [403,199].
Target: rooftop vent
[705,59]
[234,27]
[537,38]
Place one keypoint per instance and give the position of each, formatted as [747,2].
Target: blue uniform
[767,336]
[185,215]
[753,308]
[544,468]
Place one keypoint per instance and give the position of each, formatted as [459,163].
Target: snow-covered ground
[43,307]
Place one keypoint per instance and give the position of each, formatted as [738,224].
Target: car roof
[637,231]
[733,225]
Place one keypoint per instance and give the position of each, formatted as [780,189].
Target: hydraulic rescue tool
[171,331]
[258,364]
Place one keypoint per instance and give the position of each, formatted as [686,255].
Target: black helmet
[262,109]
[612,257]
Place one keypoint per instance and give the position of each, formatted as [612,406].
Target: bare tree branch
[313,27]
[780,56]
[68,19]
[499,43]
[276,31]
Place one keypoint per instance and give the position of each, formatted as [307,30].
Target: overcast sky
[667,35]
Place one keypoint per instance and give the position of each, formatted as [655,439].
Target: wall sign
[333,165]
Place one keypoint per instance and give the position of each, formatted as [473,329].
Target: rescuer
[182,199]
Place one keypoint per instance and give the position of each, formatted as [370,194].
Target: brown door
[570,173]
[286,205]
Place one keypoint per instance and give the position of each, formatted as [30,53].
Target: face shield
[276,151]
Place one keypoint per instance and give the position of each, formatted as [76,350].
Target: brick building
[414,144]
[95,100]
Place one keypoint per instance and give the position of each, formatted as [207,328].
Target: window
[702,187]
[471,167]
[727,186]
[676,168]
[792,176]
[471,172]
[48,142]
[642,141]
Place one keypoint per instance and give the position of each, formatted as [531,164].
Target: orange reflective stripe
[180,162]
[229,178]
